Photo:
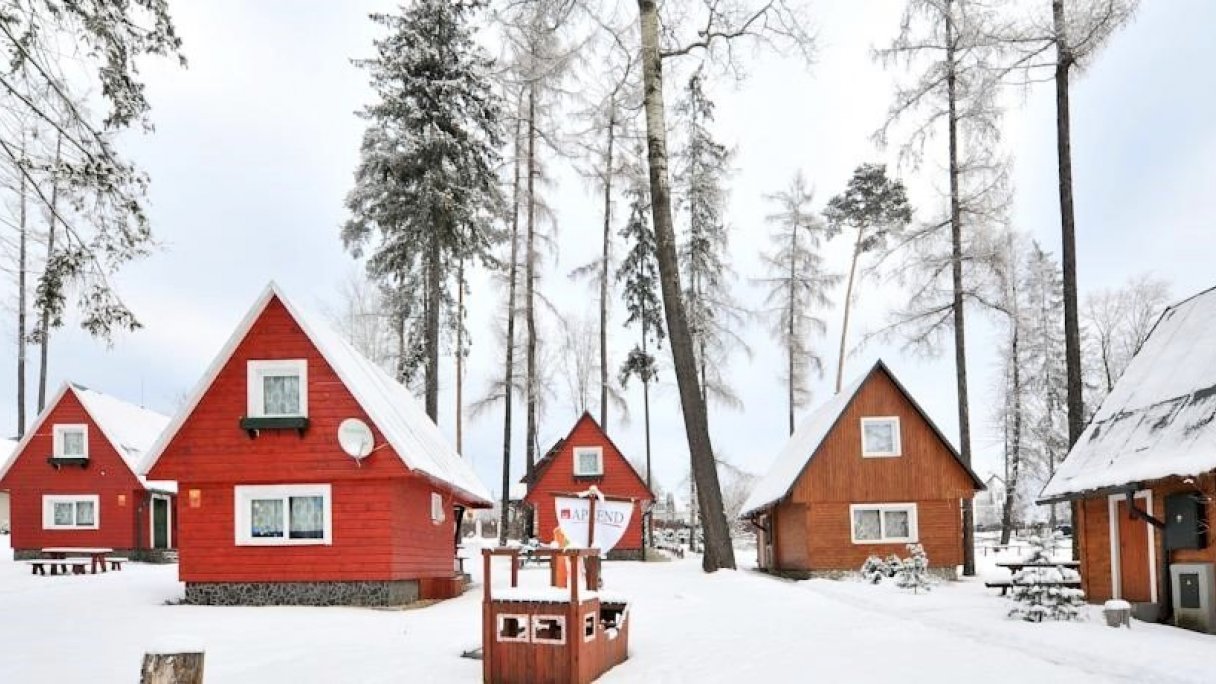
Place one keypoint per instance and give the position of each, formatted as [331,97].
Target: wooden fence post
[172,668]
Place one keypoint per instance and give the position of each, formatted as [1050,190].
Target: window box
[880,437]
[71,512]
[253,425]
[81,463]
[283,515]
[589,462]
[883,523]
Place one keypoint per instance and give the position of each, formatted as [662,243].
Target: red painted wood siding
[926,474]
[619,480]
[381,513]
[121,526]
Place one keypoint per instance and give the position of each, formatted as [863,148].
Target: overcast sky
[256,142]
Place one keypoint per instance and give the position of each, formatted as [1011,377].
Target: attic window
[880,437]
[70,441]
[588,461]
[278,389]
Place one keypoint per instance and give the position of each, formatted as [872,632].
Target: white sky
[256,143]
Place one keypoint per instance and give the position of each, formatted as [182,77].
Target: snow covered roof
[415,438]
[1160,418]
[130,429]
[802,445]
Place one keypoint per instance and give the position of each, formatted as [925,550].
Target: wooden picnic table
[97,554]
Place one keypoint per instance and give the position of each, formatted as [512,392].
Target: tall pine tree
[426,182]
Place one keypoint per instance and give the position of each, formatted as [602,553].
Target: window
[880,437]
[512,627]
[883,523]
[70,512]
[548,629]
[589,627]
[588,461]
[281,515]
[70,441]
[437,513]
[278,388]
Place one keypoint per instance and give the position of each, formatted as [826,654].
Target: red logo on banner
[565,514]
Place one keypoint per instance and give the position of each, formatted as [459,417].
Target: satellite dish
[355,438]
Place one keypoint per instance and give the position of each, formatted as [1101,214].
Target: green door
[160,523]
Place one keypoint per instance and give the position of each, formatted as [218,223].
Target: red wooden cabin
[72,479]
[865,474]
[587,456]
[273,509]
[1143,475]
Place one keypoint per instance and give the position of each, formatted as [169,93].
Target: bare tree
[578,362]
[1118,321]
[798,284]
[720,26]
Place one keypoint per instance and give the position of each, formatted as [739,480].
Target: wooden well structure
[554,634]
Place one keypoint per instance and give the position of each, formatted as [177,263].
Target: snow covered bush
[1037,592]
[874,570]
[913,572]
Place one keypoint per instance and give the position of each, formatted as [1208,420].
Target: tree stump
[172,668]
[1117,613]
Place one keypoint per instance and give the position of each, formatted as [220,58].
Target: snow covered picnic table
[97,554]
[1015,566]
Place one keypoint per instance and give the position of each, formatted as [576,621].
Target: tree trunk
[718,551]
[956,269]
[1013,465]
[530,287]
[399,318]
[172,668]
[604,265]
[790,331]
[509,366]
[646,402]
[21,268]
[44,316]
[848,300]
[434,281]
[460,358]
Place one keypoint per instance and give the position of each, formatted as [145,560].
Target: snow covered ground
[687,627]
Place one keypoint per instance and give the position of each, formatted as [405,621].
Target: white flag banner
[611,519]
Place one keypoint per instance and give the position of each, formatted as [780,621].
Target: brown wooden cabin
[865,474]
[1143,474]
[553,634]
[588,456]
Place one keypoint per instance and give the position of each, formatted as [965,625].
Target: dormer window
[588,461]
[70,441]
[278,389]
[880,437]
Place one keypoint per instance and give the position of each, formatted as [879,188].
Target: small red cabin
[587,456]
[865,474]
[277,508]
[73,480]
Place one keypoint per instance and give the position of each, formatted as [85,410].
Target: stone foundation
[365,593]
[625,554]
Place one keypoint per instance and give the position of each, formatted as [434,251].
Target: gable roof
[796,455]
[1160,418]
[551,455]
[414,437]
[130,429]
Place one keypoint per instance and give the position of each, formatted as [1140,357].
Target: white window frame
[599,455]
[57,433]
[48,510]
[536,624]
[897,442]
[589,620]
[913,527]
[243,495]
[256,370]
[437,508]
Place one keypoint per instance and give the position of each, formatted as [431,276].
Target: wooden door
[791,542]
[1134,572]
[160,523]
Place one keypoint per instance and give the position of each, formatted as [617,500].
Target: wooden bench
[1005,584]
[38,566]
[115,562]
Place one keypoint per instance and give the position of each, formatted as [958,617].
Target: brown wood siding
[837,475]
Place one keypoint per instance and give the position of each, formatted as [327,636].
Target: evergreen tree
[913,571]
[875,208]
[713,316]
[798,285]
[1036,591]
[639,275]
[426,182]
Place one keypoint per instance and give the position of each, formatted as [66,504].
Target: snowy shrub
[913,572]
[874,570]
[1037,593]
